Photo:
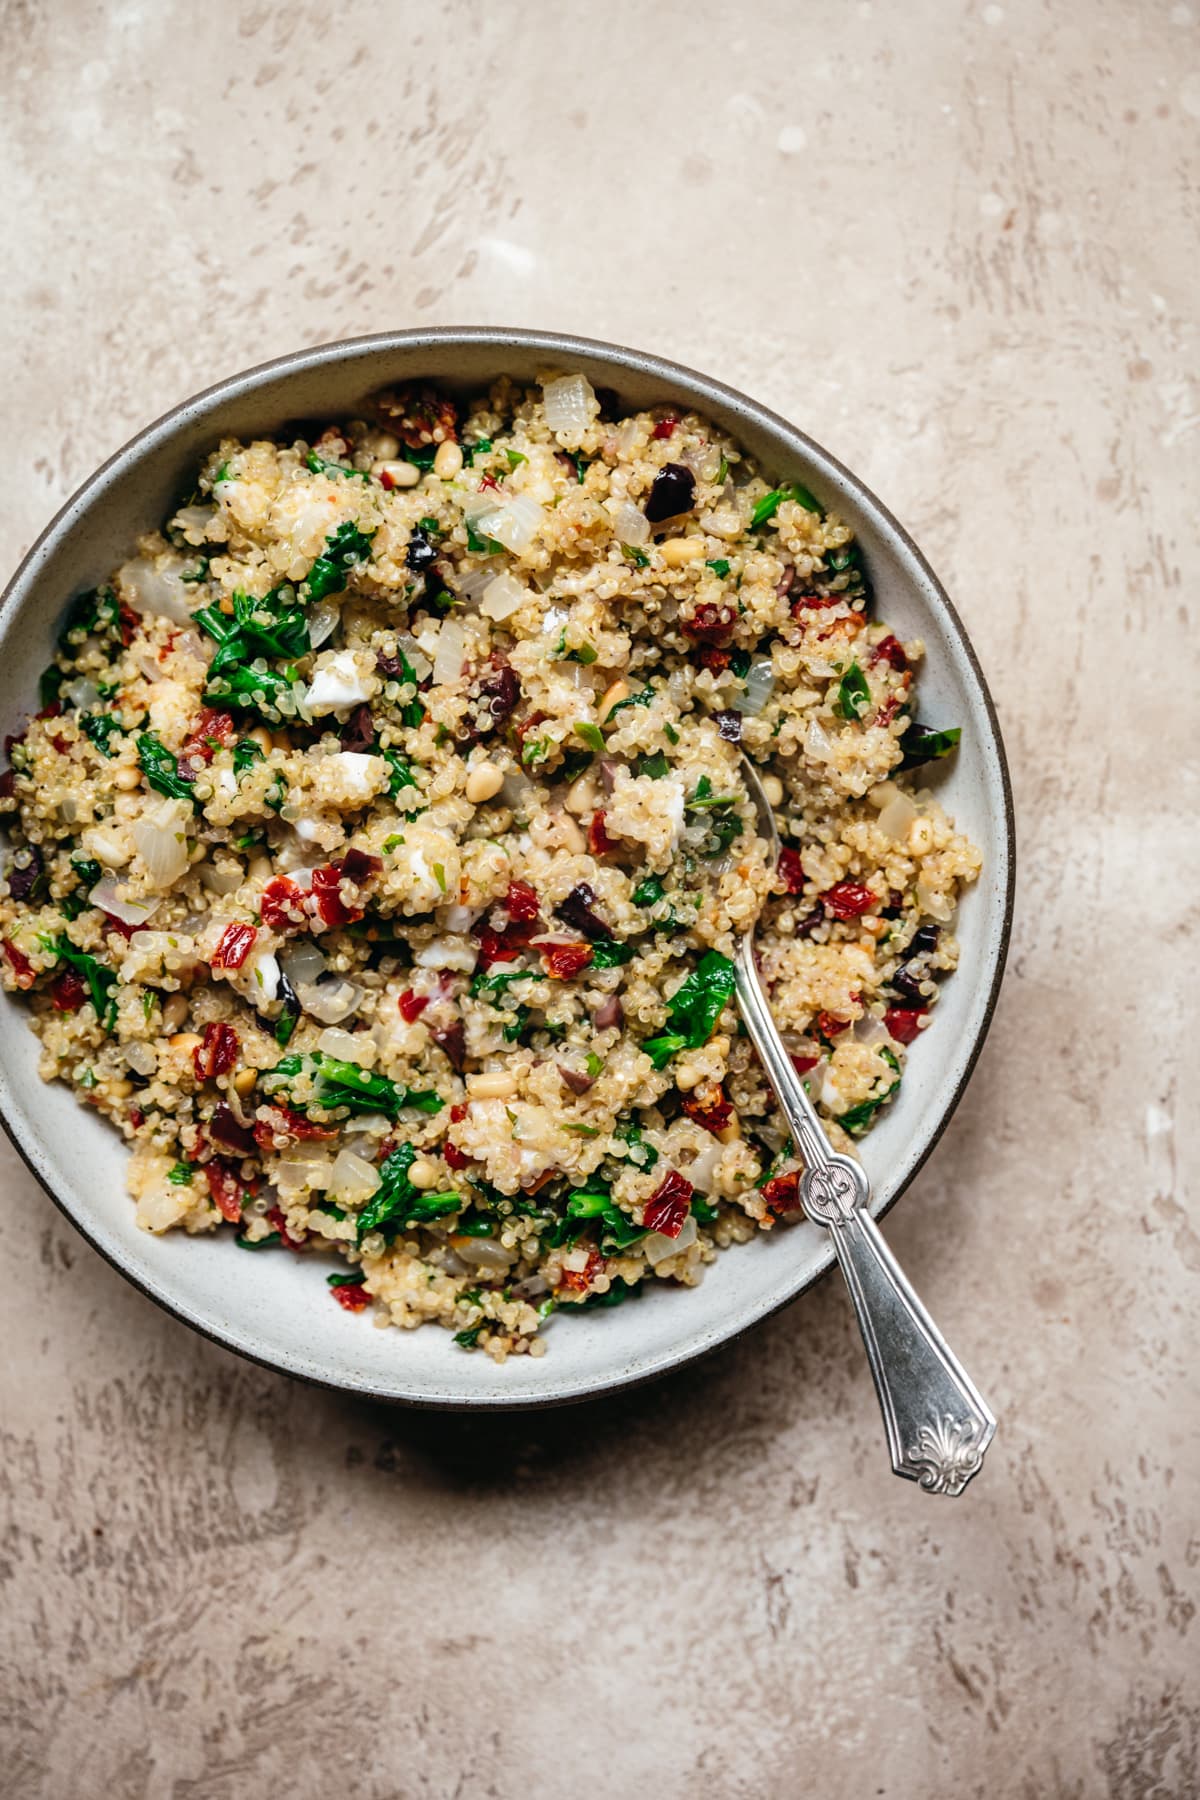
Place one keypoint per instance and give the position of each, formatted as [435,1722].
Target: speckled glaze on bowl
[275,1309]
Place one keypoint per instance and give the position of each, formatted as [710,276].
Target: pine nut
[447,464]
[677,552]
[120,1089]
[490,1087]
[399,474]
[127,777]
[423,1173]
[261,868]
[184,1042]
[920,837]
[686,1078]
[772,787]
[582,796]
[485,780]
[383,446]
[620,690]
[245,1079]
[262,737]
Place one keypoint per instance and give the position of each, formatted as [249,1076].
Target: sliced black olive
[729,724]
[576,910]
[421,554]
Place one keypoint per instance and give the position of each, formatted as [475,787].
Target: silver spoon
[938,1424]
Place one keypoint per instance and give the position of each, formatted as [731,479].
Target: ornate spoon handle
[938,1424]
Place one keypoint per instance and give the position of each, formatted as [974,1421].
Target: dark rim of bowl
[555,344]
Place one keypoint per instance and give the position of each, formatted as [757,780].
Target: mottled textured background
[957,243]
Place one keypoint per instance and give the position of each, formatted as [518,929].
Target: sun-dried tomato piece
[668,1205]
[904,1022]
[352,1296]
[713,658]
[802,1064]
[217,1053]
[458,1112]
[19,963]
[282,905]
[665,427]
[580,1280]
[275,1217]
[827,1024]
[236,943]
[227,1189]
[211,730]
[891,651]
[455,1158]
[598,840]
[713,1110]
[848,899]
[357,865]
[782,1192]
[561,961]
[412,1005]
[327,900]
[813,603]
[710,623]
[521,901]
[283,1125]
[496,947]
[792,870]
[68,991]
[130,622]
[122,929]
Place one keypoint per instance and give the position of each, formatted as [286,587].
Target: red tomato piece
[847,899]
[275,1217]
[813,603]
[495,946]
[455,1158]
[236,943]
[210,725]
[218,1052]
[458,1112]
[412,1005]
[282,1124]
[710,623]
[580,1280]
[68,991]
[282,905]
[225,1186]
[714,1113]
[599,842]
[521,901]
[782,1193]
[20,964]
[561,961]
[792,870]
[714,659]
[352,1295]
[904,1022]
[668,1205]
[665,427]
[827,1025]
[891,651]
[802,1064]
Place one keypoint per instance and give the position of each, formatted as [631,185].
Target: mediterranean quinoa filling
[380,848]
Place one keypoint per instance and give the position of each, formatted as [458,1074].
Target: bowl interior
[275,1307]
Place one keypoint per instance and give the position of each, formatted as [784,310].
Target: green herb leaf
[344,549]
[921,745]
[320,466]
[99,728]
[648,892]
[161,769]
[591,735]
[607,953]
[641,1154]
[854,696]
[644,697]
[355,1279]
[769,505]
[635,556]
[101,980]
[396,1203]
[694,1009]
[180,1175]
[655,766]
[719,567]
[245,754]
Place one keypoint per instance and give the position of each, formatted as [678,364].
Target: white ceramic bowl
[276,1308]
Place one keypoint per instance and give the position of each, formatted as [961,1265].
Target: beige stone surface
[957,243]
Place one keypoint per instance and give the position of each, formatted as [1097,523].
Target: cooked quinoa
[380,848]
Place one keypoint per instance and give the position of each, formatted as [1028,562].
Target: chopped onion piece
[658,1246]
[446,953]
[897,816]
[484,1253]
[568,404]
[151,588]
[503,596]
[345,1046]
[331,1000]
[160,837]
[81,693]
[513,523]
[141,1058]
[351,1179]
[451,647]
[264,978]
[817,744]
[937,905]
[322,622]
[107,896]
[303,963]
[869,1031]
[630,525]
[760,685]
[221,881]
